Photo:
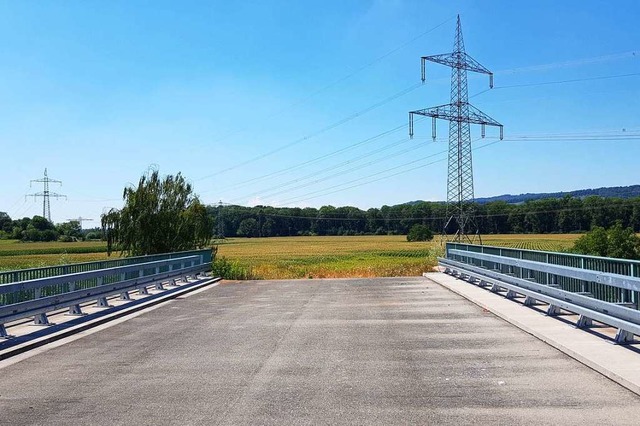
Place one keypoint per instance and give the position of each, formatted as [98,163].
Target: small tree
[594,242]
[159,216]
[420,233]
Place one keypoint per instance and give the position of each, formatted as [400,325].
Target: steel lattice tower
[46,194]
[460,115]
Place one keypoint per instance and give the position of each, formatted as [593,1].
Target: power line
[280,190]
[414,87]
[315,160]
[561,137]
[563,64]
[345,77]
[297,200]
[340,188]
[317,132]
[547,83]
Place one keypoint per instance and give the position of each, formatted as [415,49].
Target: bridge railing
[587,283]
[36,297]
[7,277]
[604,289]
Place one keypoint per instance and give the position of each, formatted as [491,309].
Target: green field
[293,257]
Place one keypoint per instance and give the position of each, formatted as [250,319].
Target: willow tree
[160,215]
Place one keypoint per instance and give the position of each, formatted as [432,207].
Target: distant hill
[607,192]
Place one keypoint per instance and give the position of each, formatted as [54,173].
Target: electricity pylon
[80,220]
[460,115]
[220,219]
[46,194]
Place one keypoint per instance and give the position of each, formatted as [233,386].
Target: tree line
[39,228]
[553,215]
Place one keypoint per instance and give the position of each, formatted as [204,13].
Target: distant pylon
[46,194]
[80,220]
[460,115]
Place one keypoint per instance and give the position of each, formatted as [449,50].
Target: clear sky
[252,101]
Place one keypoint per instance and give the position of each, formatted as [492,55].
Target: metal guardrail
[7,277]
[575,283]
[590,289]
[37,297]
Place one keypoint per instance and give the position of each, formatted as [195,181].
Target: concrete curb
[120,312]
[581,353]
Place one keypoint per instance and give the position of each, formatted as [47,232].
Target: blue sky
[98,92]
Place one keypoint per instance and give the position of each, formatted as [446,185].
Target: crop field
[18,255]
[327,257]
[365,256]
[293,257]
[544,242]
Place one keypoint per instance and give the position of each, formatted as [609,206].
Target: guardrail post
[623,337]
[159,285]
[75,310]
[553,310]
[172,282]
[3,332]
[142,289]
[584,322]
[102,302]
[185,278]
[41,319]
[125,295]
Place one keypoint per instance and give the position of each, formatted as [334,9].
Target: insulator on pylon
[433,128]
[490,81]
[411,125]
[501,133]
[424,71]
[482,131]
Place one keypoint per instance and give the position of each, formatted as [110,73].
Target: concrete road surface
[364,351]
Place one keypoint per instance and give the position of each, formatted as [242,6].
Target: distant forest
[632,191]
[550,215]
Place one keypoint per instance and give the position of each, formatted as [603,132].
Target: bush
[221,267]
[617,242]
[420,233]
[94,235]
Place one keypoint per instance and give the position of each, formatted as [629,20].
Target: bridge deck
[386,351]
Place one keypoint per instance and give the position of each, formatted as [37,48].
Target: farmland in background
[293,257]
[15,254]
[543,242]
[363,256]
